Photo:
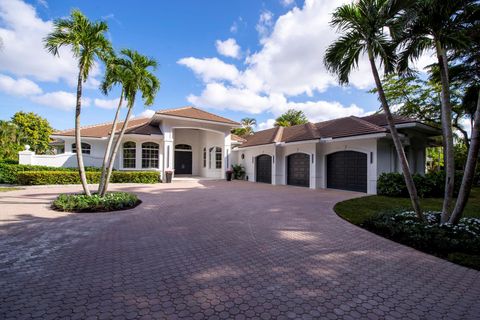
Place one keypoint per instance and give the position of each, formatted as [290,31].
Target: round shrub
[112,201]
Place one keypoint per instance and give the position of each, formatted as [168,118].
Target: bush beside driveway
[214,249]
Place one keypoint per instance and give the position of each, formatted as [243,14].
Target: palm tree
[363,26]
[248,124]
[134,75]
[88,42]
[437,25]
[114,75]
[291,118]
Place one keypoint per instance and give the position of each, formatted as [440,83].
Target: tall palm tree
[134,76]
[437,25]
[114,75]
[363,26]
[291,118]
[87,42]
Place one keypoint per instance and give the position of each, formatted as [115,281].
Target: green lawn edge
[358,210]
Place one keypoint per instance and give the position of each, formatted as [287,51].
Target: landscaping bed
[391,217]
[112,201]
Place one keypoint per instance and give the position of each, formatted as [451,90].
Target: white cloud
[264,24]
[228,48]
[106,103]
[210,68]
[266,124]
[148,113]
[23,53]
[60,100]
[289,64]
[219,96]
[287,3]
[18,87]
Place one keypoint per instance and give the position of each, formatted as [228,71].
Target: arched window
[183,147]
[86,148]
[150,155]
[204,157]
[129,155]
[218,158]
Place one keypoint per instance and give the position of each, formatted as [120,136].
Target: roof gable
[195,113]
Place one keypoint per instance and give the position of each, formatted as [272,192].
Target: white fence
[57,160]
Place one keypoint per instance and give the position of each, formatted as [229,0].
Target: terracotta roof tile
[236,138]
[336,128]
[137,126]
[195,113]
[262,137]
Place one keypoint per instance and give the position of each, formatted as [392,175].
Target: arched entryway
[264,168]
[347,170]
[183,159]
[298,170]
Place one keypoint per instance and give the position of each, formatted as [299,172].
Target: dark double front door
[183,162]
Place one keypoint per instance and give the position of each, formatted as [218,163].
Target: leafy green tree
[35,130]
[11,140]
[363,26]
[241,132]
[88,42]
[420,99]
[439,25]
[291,118]
[134,75]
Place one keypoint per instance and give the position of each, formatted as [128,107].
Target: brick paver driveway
[217,250]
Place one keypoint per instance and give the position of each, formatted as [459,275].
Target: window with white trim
[218,158]
[129,155]
[86,148]
[150,155]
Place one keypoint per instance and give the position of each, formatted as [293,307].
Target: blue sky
[234,58]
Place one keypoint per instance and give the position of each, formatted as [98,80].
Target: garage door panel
[264,168]
[298,169]
[347,170]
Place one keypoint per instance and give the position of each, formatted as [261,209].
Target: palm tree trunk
[115,150]
[412,190]
[78,137]
[106,157]
[447,133]
[469,173]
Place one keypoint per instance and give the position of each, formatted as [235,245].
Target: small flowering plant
[441,239]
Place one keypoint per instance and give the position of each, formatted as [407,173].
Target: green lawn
[358,210]
[5,189]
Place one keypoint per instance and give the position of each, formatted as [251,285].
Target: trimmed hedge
[9,172]
[72,177]
[112,201]
[431,185]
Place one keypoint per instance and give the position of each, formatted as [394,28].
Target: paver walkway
[216,250]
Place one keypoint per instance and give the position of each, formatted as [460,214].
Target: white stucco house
[347,153]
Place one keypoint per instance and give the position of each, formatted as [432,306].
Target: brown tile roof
[135,126]
[381,120]
[263,137]
[236,138]
[195,113]
[336,128]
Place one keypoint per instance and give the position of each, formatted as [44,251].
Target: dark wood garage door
[347,170]
[264,168]
[298,166]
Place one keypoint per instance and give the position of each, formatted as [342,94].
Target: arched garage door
[298,170]
[347,170]
[264,168]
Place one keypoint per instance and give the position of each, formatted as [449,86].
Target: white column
[274,165]
[227,147]
[26,156]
